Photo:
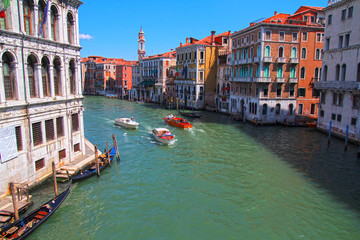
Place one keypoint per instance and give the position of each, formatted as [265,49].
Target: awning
[148,83]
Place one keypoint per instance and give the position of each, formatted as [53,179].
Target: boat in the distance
[23,227]
[127,123]
[163,135]
[190,114]
[91,170]
[178,122]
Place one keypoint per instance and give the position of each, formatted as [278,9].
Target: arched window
[31,61]
[264,109]
[291,109]
[42,25]
[317,54]
[70,28]
[28,8]
[293,52]
[303,53]
[258,51]
[302,72]
[343,72]
[267,51]
[72,76]
[9,77]
[3,21]
[337,72]
[53,19]
[277,109]
[57,77]
[266,71]
[316,73]
[281,52]
[45,77]
[325,72]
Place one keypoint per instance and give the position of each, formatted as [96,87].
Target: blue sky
[110,28]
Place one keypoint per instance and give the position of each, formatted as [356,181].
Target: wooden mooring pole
[13,195]
[108,153]
[329,133]
[116,148]
[346,137]
[54,179]
[97,161]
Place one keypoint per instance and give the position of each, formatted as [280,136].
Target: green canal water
[221,180]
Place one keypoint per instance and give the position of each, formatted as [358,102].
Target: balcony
[256,59]
[267,59]
[294,60]
[243,61]
[281,60]
[240,79]
[293,80]
[280,80]
[337,85]
[262,79]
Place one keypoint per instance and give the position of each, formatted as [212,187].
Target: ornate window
[9,77]
[28,11]
[45,77]
[31,61]
[70,26]
[42,26]
[53,20]
[57,77]
[72,77]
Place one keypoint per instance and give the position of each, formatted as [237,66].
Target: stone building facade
[41,110]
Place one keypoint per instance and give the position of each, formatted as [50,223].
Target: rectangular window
[312,19]
[350,13]
[341,40]
[201,55]
[356,101]
[339,116]
[304,36]
[49,130]
[333,117]
[37,133]
[341,99]
[39,164]
[327,44]
[301,108]
[3,23]
[77,147]
[322,113]
[18,138]
[301,92]
[278,90]
[312,109]
[62,155]
[353,121]
[266,92]
[259,36]
[319,37]
[292,90]
[329,22]
[343,14]
[75,122]
[323,98]
[335,98]
[268,35]
[347,40]
[294,37]
[281,36]
[60,127]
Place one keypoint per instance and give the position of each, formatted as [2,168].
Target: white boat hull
[164,141]
[126,123]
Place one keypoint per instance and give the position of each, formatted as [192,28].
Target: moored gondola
[25,226]
[190,114]
[91,170]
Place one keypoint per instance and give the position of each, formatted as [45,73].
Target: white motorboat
[163,135]
[127,123]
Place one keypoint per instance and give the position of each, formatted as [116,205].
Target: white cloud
[85,36]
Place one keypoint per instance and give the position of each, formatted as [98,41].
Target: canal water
[221,180]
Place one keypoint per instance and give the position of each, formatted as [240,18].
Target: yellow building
[196,62]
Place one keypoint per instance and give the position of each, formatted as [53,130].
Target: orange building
[275,63]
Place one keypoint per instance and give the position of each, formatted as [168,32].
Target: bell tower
[141,42]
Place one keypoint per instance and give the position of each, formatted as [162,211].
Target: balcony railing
[337,85]
[256,59]
[240,79]
[262,79]
[280,79]
[293,80]
[294,60]
[281,60]
[267,59]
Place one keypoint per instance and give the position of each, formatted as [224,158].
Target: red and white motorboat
[163,135]
[178,122]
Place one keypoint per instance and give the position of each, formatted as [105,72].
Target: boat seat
[38,216]
[42,213]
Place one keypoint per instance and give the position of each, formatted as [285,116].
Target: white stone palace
[41,110]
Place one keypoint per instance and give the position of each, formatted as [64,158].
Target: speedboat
[126,123]
[178,122]
[163,135]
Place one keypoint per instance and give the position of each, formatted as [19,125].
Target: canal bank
[221,180]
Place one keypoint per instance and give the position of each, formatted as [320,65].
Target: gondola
[91,170]
[190,114]
[22,228]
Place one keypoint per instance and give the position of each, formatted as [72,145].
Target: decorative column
[78,78]
[36,21]
[82,132]
[48,24]
[62,80]
[76,29]
[52,85]
[2,89]
[19,96]
[38,80]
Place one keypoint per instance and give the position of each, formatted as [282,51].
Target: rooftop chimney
[275,13]
[212,37]
[187,40]
[180,44]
